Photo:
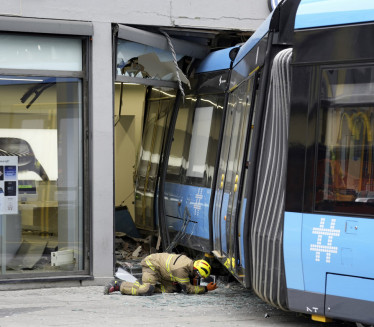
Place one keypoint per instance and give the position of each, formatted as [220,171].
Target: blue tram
[268,161]
[328,219]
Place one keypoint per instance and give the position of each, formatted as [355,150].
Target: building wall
[245,15]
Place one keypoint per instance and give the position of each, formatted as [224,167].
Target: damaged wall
[244,15]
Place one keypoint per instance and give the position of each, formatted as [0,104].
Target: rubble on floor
[129,251]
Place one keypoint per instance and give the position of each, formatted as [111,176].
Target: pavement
[229,305]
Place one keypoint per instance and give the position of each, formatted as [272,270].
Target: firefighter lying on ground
[166,273]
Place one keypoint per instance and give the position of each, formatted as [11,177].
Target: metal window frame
[45,26]
[32,72]
[145,81]
[159,41]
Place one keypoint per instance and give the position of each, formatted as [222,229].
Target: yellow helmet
[202,267]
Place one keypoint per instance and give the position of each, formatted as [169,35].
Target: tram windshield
[345,170]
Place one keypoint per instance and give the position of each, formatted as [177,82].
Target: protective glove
[211,286]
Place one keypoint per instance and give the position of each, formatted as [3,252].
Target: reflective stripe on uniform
[168,267]
[168,263]
[182,280]
[150,265]
[134,289]
[173,278]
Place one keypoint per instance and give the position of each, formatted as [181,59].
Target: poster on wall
[36,150]
[8,185]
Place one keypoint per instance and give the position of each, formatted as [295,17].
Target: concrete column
[102,152]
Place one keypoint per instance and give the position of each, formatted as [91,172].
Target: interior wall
[128,134]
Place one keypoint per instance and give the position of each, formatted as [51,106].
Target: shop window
[41,213]
[40,52]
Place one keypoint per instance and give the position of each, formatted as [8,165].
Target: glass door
[230,172]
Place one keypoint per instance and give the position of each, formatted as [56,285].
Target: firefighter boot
[112,286]
[146,290]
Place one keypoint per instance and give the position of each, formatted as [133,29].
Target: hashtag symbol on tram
[330,233]
[198,198]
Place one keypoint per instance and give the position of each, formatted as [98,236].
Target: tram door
[227,193]
[156,126]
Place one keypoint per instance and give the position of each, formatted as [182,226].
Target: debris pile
[129,249]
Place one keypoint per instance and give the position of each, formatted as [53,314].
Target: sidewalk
[229,305]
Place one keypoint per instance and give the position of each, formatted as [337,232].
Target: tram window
[199,142]
[195,141]
[177,163]
[345,170]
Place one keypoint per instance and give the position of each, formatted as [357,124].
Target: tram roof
[217,60]
[254,39]
[320,13]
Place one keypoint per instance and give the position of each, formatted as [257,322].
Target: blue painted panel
[319,13]
[217,60]
[350,287]
[173,196]
[178,197]
[335,244]
[241,231]
[292,250]
[253,40]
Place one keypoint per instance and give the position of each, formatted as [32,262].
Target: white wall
[217,14]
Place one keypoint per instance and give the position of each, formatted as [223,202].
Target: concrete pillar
[102,152]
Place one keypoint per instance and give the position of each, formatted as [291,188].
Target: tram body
[178,155]
[273,171]
[193,152]
[328,220]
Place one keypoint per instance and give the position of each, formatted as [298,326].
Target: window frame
[76,30]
